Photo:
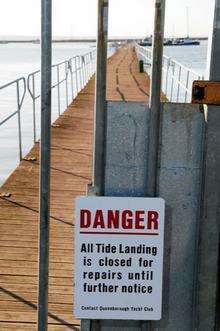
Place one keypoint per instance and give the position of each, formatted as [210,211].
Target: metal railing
[177,79]
[68,79]
[72,74]
[20,91]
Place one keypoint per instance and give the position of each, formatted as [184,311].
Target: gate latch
[206,92]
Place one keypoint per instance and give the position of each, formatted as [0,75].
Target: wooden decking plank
[17,279]
[71,170]
[32,327]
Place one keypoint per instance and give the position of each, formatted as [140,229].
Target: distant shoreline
[37,41]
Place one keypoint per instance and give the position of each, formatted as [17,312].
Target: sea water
[17,60]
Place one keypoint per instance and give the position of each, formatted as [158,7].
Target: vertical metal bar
[179,79]
[90,67]
[154,103]
[58,88]
[172,81]
[71,75]
[85,58]
[86,325]
[155,92]
[100,98]
[83,71]
[87,67]
[167,75]
[66,83]
[80,72]
[46,40]
[208,299]
[187,86]
[34,107]
[93,62]
[76,73]
[19,121]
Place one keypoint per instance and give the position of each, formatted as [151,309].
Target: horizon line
[21,37]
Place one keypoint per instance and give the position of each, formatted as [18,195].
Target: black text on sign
[119,258]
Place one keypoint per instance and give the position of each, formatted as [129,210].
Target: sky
[78,18]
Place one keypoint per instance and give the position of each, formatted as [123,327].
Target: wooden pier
[72,136]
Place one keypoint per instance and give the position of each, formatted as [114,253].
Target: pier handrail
[20,95]
[80,66]
[31,86]
[176,76]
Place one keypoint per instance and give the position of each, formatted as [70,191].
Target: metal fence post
[34,109]
[100,98]
[155,92]
[71,73]
[46,37]
[208,278]
[58,89]
[99,120]
[66,83]
[19,121]
[76,75]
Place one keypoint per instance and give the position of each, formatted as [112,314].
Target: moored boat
[186,42]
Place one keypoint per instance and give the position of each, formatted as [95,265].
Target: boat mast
[187,21]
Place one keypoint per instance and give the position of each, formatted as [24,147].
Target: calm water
[18,60]
[194,57]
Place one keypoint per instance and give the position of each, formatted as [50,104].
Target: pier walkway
[71,151]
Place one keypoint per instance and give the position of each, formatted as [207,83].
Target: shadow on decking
[34,306]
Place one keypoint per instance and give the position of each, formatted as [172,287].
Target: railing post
[167,75]
[58,89]
[208,300]
[19,121]
[83,69]
[172,81]
[100,98]
[34,108]
[99,120]
[179,81]
[187,86]
[155,92]
[76,75]
[71,76]
[66,83]
[80,72]
[46,39]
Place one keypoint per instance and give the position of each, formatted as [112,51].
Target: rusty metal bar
[154,103]
[46,54]
[100,98]
[155,92]
[208,296]
[99,121]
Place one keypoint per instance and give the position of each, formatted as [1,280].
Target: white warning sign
[119,258]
